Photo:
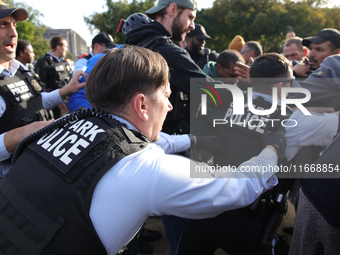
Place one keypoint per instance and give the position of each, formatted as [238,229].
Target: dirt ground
[161,246]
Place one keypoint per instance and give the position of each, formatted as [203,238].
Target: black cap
[18,13]
[104,38]
[199,32]
[326,34]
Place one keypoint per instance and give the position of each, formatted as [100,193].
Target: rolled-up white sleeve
[176,193]
[173,143]
[4,154]
[315,129]
[51,99]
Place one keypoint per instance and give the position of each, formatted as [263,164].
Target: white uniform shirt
[315,129]
[150,182]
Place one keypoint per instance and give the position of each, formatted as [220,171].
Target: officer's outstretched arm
[73,86]
[13,138]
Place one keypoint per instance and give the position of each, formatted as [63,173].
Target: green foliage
[108,21]
[39,45]
[265,21]
[25,30]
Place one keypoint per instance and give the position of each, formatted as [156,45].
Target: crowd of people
[88,155]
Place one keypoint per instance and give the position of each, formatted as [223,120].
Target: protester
[100,42]
[237,43]
[294,50]
[322,45]
[224,65]
[195,42]
[250,51]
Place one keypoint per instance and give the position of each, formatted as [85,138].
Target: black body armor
[46,197]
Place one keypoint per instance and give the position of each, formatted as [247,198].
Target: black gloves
[275,138]
[207,143]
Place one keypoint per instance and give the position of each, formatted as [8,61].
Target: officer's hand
[301,70]
[73,86]
[13,138]
[275,138]
[208,143]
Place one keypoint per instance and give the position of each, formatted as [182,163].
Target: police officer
[54,70]
[195,42]
[100,177]
[244,231]
[22,103]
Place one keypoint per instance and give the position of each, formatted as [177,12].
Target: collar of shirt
[58,59]
[128,124]
[266,97]
[13,68]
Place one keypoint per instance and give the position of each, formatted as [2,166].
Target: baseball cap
[326,34]
[199,32]
[18,13]
[105,39]
[186,4]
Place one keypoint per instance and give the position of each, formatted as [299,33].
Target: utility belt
[272,205]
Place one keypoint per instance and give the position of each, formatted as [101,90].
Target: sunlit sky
[68,14]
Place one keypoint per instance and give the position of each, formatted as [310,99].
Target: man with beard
[195,41]
[172,19]
[325,43]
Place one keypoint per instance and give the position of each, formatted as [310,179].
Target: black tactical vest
[242,135]
[46,197]
[58,74]
[23,101]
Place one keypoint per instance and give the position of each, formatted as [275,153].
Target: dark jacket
[202,57]
[182,68]
[53,74]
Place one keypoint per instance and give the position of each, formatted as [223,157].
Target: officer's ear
[140,106]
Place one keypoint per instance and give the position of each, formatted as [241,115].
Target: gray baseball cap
[18,13]
[187,4]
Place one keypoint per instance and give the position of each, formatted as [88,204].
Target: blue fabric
[92,62]
[174,227]
[78,100]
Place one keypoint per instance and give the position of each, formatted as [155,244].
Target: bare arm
[13,138]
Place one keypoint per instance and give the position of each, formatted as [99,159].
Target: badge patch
[36,85]
[59,68]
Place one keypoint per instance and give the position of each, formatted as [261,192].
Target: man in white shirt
[100,178]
